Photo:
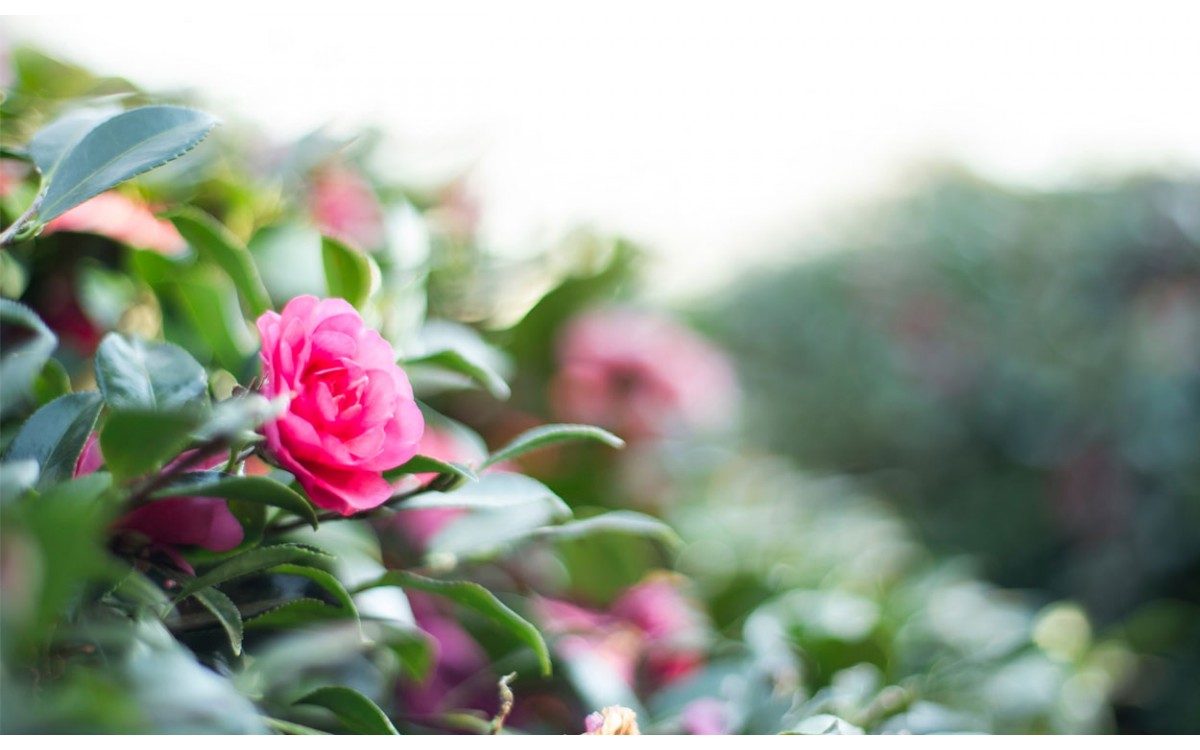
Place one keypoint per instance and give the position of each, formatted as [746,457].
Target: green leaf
[213,242]
[495,492]
[347,272]
[54,436]
[550,434]
[426,465]
[252,561]
[249,489]
[290,727]
[475,597]
[135,587]
[22,362]
[226,613]
[50,144]
[209,300]
[457,362]
[139,376]
[325,580]
[356,712]
[67,523]
[616,522]
[118,149]
[51,383]
[137,442]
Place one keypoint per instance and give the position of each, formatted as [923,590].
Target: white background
[715,133]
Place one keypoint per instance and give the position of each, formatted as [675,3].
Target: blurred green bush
[1020,373]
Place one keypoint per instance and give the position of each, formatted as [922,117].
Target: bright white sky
[713,135]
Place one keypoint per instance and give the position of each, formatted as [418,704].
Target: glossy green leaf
[209,300]
[475,597]
[133,374]
[247,489]
[616,522]
[67,522]
[551,434]
[325,580]
[347,272]
[213,242]
[23,361]
[354,710]
[137,442]
[135,587]
[291,727]
[118,149]
[226,613]
[427,465]
[54,436]
[51,383]
[457,362]
[495,492]
[50,144]
[237,418]
[250,562]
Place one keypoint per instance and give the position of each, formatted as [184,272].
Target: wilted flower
[351,414]
[640,375]
[612,720]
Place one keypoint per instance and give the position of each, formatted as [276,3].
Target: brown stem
[506,703]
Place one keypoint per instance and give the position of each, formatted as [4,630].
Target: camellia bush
[284,449]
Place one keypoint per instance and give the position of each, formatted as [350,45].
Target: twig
[506,703]
[10,235]
[159,481]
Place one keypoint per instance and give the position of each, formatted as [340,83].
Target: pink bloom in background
[420,525]
[651,626]
[706,716]
[459,678]
[351,414]
[344,206]
[199,521]
[114,216]
[640,375]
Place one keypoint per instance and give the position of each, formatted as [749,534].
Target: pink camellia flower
[351,414]
[641,375]
[114,216]
[198,521]
[344,206]
[652,626]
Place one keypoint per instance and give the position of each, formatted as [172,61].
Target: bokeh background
[946,474]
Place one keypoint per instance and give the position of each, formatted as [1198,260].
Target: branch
[9,237]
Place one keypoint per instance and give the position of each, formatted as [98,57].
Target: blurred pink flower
[121,219]
[420,526]
[640,375]
[651,626]
[459,677]
[344,206]
[198,521]
[706,716]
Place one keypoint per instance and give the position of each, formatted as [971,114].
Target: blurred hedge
[1018,371]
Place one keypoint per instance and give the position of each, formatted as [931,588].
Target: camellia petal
[351,414]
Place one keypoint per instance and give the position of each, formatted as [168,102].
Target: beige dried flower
[612,720]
